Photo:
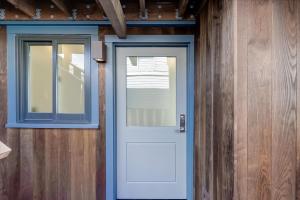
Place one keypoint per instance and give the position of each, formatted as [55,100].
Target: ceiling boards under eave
[113,9]
[115,14]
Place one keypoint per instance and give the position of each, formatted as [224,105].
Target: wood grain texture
[241,100]
[259,99]
[26,165]
[39,180]
[226,161]
[271,42]
[214,134]
[202,111]
[284,90]
[13,172]
[101,139]
[198,171]
[3,107]
[200,116]
[298,107]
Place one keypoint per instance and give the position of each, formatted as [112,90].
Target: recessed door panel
[151,162]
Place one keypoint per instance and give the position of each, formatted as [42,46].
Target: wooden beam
[60,4]
[201,5]
[26,6]
[143,7]
[114,12]
[182,7]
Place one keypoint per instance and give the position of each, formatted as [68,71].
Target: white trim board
[4,150]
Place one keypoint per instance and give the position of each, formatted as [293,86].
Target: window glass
[151,91]
[39,78]
[70,78]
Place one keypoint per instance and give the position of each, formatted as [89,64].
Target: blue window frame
[22,112]
[24,46]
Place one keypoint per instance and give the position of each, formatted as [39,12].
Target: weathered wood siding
[215,103]
[57,164]
[248,110]
[45,163]
[267,42]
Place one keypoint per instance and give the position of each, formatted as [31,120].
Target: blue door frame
[112,42]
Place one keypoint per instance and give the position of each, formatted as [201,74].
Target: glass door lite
[151,122]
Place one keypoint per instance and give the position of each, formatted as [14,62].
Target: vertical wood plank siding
[298,103]
[259,99]
[241,101]
[214,161]
[284,99]
[264,135]
[57,164]
[247,141]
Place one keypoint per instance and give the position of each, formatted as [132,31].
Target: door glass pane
[151,91]
[39,78]
[70,78]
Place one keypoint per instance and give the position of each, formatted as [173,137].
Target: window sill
[76,126]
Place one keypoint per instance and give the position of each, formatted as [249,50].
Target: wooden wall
[214,121]
[247,144]
[45,163]
[270,46]
[247,111]
[57,164]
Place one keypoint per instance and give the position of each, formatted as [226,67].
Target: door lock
[182,123]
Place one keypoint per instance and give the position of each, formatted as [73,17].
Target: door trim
[112,41]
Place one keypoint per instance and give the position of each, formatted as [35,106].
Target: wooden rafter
[182,7]
[143,7]
[202,4]
[26,6]
[114,12]
[60,4]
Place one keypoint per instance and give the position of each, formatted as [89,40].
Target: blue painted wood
[31,29]
[190,118]
[32,125]
[112,41]
[181,23]
[110,125]
[12,31]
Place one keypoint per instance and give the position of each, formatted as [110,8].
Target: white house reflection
[151,91]
[71,78]
[148,72]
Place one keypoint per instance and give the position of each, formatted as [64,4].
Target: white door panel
[151,95]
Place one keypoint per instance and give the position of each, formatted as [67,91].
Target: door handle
[182,123]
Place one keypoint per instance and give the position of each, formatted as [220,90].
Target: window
[53,79]
[148,80]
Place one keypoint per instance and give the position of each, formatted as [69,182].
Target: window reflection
[71,78]
[39,78]
[151,91]
[148,72]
